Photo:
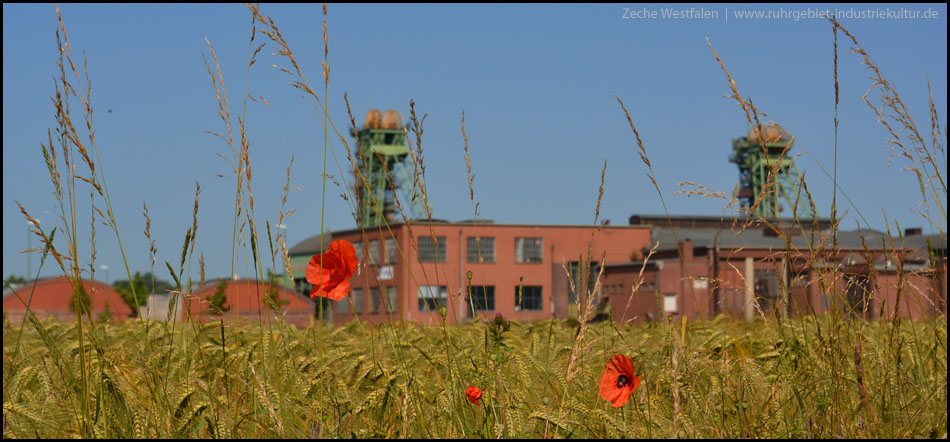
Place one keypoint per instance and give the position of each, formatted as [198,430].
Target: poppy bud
[545,400]
[442,311]
[473,394]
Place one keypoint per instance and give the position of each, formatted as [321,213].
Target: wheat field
[732,379]
[823,376]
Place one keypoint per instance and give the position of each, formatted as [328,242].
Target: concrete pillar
[463,283]
[785,288]
[749,289]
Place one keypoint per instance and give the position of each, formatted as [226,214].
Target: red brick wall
[625,304]
[51,297]
[923,294]
[245,298]
[560,245]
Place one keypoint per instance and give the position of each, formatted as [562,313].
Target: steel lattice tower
[757,159]
[383,169]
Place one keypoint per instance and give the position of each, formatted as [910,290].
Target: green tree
[106,315]
[273,291]
[80,301]
[217,298]
[144,285]
[13,280]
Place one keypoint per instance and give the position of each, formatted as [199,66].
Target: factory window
[669,303]
[358,245]
[374,299]
[734,298]
[373,252]
[302,286]
[431,297]
[858,290]
[481,249]
[391,296]
[431,250]
[577,278]
[357,301]
[528,298]
[323,308]
[799,278]
[766,287]
[648,288]
[482,298]
[343,305]
[527,250]
[392,252]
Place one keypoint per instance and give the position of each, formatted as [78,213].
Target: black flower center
[621,381]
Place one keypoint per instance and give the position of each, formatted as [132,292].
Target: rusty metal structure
[383,168]
[767,174]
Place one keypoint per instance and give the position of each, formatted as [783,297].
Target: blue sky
[536,82]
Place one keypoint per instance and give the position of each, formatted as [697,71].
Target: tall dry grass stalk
[830,376]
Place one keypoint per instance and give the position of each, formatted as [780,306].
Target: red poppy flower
[618,380]
[333,279]
[473,394]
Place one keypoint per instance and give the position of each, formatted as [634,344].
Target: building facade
[524,272]
[248,300]
[704,267]
[53,297]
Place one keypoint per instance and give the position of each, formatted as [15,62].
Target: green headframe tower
[384,167]
[767,171]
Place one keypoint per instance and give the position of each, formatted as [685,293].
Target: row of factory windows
[482,298]
[431,297]
[432,249]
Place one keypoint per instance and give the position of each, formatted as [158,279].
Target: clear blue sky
[536,83]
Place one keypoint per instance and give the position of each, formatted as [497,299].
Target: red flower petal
[330,271]
[625,364]
[339,292]
[621,398]
[618,365]
[316,274]
[347,253]
[608,385]
[473,394]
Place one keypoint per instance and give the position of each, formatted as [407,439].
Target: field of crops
[803,378]
[813,376]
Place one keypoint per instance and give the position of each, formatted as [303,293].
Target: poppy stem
[623,418]
[547,421]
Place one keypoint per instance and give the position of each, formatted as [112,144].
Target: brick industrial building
[517,270]
[246,300]
[704,266]
[53,297]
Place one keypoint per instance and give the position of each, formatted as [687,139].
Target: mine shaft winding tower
[383,168]
[767,170]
